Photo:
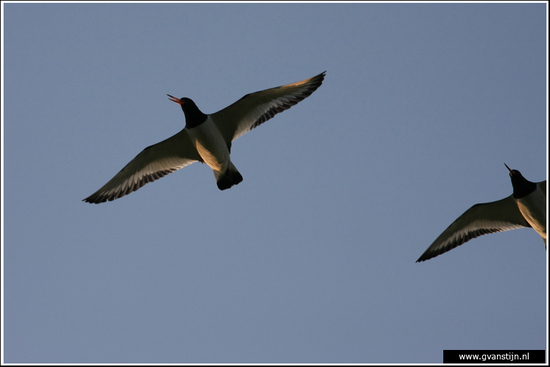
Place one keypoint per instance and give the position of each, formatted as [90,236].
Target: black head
[193,116]
[522,186]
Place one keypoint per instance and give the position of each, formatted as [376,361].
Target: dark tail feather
[229,178]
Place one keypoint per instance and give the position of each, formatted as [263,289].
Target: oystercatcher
[526,207]
[206,138]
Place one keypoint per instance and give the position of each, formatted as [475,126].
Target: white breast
[210,145]
[533,209]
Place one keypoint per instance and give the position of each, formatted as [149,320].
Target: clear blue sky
[312,257]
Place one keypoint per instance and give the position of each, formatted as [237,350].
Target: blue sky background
[312,257]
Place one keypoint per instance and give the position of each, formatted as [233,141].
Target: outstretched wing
[256,108]
[480,219]
[151,164]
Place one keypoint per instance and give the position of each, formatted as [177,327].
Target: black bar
[494,356]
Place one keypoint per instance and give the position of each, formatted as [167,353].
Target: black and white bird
[206,138]
[526,207]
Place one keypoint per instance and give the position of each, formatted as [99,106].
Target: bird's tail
[228,178]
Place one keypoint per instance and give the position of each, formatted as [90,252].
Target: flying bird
[206,138]
[526,207]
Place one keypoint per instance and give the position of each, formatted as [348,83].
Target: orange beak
[174,99]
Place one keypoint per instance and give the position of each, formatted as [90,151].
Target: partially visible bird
[206,138]
[526,207]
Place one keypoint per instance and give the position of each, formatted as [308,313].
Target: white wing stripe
[151,164]
[256,108]
[480,219]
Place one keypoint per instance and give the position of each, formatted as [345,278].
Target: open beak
[174,99]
